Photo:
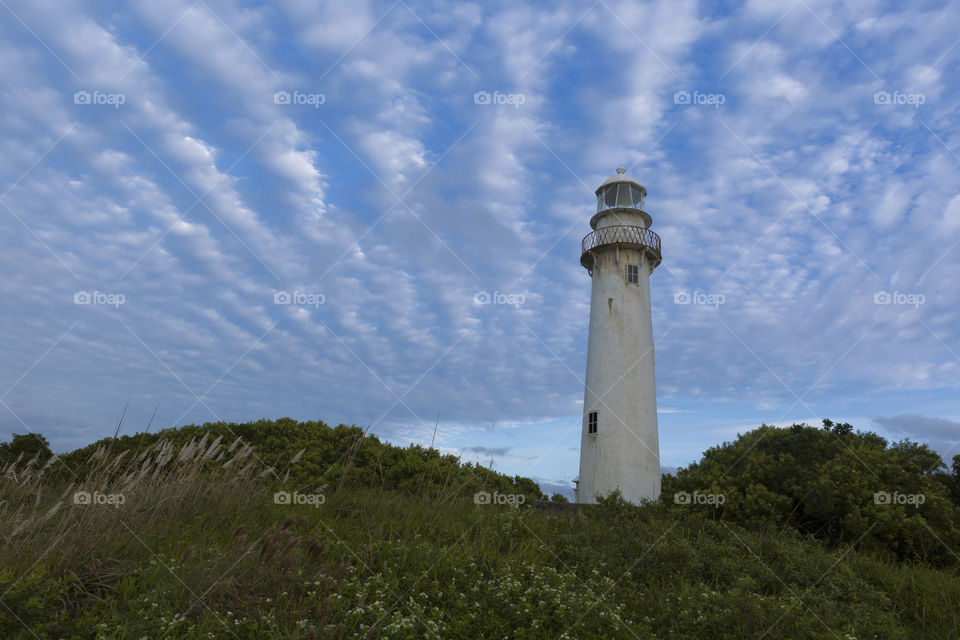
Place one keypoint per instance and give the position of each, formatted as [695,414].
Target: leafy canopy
[834,483]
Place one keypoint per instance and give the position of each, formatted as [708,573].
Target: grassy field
[193,541]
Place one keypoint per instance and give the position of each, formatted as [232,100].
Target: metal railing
[627,235]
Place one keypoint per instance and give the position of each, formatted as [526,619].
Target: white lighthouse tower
[619,448]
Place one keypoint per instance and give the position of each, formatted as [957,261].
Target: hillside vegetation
[181,534]
[841,486]
[309,455]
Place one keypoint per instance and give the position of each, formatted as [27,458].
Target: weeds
[198,548]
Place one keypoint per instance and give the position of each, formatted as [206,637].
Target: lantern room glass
[620,195]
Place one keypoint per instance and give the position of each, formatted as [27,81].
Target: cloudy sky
[236,211]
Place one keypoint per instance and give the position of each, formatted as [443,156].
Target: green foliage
[951,479]
[838,485]
[31,601]
[380,564]
[558,497]
[329,458]
[25,447]
[203,550]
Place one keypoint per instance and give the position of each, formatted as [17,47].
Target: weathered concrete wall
[624,453]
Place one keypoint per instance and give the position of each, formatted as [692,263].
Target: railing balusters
[626,234]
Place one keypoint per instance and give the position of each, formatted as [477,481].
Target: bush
[25,447]
[200,548]
[312,455]
[832,483]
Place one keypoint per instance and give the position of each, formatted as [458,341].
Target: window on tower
[624,197]
[633,274]
[592,422]
[610,197]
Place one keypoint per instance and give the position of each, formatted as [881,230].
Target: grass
[200,549]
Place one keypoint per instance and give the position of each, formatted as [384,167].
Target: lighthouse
[619,447]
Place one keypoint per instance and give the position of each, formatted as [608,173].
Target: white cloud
[502,209]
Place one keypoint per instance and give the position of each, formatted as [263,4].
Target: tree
[833,483]
[952,480]
[31,445]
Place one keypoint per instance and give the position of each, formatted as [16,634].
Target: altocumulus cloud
[322,256]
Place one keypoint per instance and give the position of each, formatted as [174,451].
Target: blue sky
[239,211]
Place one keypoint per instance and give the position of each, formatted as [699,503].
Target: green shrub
[200,548]
[841,486]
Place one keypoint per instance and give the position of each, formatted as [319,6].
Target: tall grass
[198,548]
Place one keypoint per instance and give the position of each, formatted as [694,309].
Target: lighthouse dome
[619,192]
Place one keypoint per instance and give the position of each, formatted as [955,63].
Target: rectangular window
[592,422]
[633,274]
